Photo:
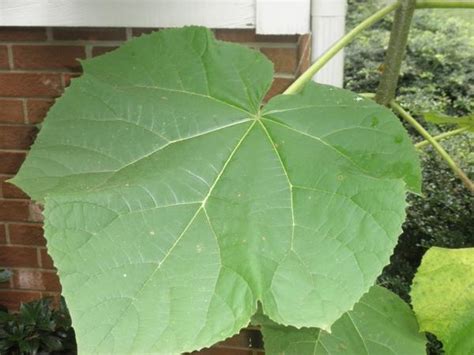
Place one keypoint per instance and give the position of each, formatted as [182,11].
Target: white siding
[128,13]
[267,16]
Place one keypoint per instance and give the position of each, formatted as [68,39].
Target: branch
[444,4]
[441,136]
[457,170]
[395,52]
[336,47]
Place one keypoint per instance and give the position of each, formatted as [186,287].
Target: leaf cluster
[37,328]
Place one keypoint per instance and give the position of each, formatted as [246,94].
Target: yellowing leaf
[443,297]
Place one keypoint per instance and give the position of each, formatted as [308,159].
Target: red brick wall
[36,64]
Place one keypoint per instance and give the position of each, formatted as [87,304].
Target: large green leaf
[174,203]
[443,297]
[380,323]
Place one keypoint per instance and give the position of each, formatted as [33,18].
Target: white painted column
[282,16]
[328,19]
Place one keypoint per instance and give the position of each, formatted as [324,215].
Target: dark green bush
[37,329]
[437,75]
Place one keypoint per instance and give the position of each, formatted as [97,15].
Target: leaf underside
[174,202]
[380,323]
[443,297]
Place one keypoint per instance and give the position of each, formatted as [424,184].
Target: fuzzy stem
[457,170]
[336,47]
[443,4]
[441,136]
[395,52]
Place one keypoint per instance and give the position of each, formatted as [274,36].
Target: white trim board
[266,16]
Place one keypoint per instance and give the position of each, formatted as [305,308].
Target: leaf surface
[380,323]
[439,118]
[174,202]
[443,297]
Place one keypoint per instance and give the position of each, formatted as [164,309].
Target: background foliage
[437,75]
[37,329]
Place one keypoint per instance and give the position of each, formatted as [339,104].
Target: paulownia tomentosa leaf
[174,202]
[380,324]
[443,297]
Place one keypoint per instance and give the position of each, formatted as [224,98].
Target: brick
[67,77]
[278,86]
[26,234]
[14,210]
[247,338]
[16,256]
[36,212]
[89,34]
[232,35]
[6,284]
[277,38]
[284,59]
[17,136]
[18,34]
[4,64]
[9,190]
[10,162]
[47,57]
[11,111]
[142,31]
[248,35]
[36,280]
[102,50]
[304,53]
[30,84]
[54,296]
[12,299]
[36,109]
[3,234]
[46,260]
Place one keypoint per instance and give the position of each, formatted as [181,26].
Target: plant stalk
[336,47]
[395,52]
[443,4]
[452,164]
[441,136]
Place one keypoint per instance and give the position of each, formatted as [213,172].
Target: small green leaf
[443,297]
[380,323]
[439,118]
[5,275]
[174,202]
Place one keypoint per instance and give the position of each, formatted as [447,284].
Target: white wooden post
[328,25]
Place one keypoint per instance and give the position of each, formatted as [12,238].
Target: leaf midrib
[188,225]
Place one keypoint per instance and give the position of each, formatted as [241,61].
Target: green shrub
[437,75]
[37,329]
